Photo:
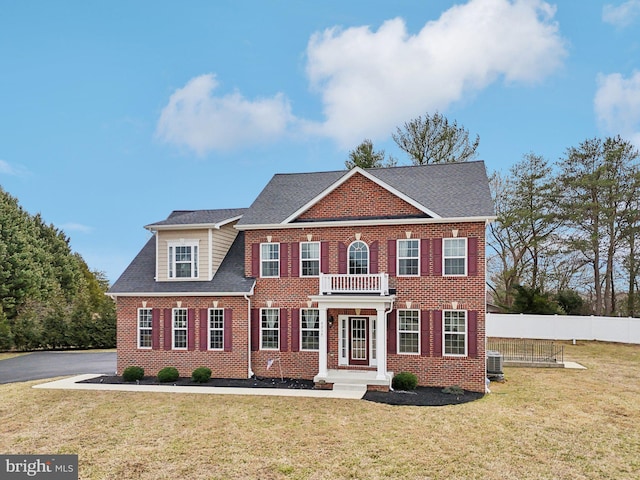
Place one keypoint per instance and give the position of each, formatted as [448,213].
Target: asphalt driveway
[38,365]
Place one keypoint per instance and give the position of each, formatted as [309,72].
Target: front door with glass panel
[359,340]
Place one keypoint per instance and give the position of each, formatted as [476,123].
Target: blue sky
[112,114]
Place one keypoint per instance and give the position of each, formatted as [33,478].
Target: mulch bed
[421,396]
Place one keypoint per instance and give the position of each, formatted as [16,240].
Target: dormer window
[183,259]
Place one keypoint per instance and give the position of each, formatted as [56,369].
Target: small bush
[131,374]
[168,374]
[453,390]
[404,381]
[201,375]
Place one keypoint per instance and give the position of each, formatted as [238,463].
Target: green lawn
[539,424]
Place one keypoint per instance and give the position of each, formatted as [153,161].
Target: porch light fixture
[330,321]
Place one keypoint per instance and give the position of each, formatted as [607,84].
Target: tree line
[49,298]
[566,235]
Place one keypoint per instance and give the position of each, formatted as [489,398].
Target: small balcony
[374,283]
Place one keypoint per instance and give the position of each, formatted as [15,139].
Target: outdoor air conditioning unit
[494,363]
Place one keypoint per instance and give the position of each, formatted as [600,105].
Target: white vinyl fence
[563,327]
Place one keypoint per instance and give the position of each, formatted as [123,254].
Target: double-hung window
[216,329]
[409,257]
[183,259]
[179,330]
[455,332]
[310,329]
[270,329]
[310,259]
[145,325]
[455,256]
[269,259]
[408,331]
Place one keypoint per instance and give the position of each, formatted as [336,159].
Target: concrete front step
[350,387]
[351,379]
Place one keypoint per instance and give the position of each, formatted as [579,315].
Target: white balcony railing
[344,283]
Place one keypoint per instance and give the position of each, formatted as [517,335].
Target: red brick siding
[222,364]
[347,201]
[425,292]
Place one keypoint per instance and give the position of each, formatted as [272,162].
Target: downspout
[249,371]
[386,313]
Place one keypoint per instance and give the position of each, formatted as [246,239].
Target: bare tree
[432,139]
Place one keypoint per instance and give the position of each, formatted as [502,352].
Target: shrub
[168,374]
[453,390]
[201,375]
[404,381]
[131,374]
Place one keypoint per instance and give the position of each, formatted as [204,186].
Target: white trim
[191,226]
[309,259]
[173,329]
[269,260]
[397,332]
[209,329]
[367,175]
[466,258]
[195,259]
[278,329]
[349,258]
[398,274]
[210,255]
[183,294]
[365,223]
[466,334]
[138,329]
[309,330]
[155,277]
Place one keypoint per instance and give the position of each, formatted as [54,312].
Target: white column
[381,344]
[322,352]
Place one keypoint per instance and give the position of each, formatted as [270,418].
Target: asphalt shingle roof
[451,190]
[199,217]
[139,277]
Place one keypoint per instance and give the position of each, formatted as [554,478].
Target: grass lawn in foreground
[539,424]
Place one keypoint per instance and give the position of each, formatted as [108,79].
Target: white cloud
[203,122]
[7,169]
[617,105]
[372,81]
[76,227]
[623,15]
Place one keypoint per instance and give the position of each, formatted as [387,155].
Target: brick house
[339,277]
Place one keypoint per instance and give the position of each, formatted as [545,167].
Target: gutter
[361,223]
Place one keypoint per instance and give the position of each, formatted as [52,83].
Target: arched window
[358,258]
